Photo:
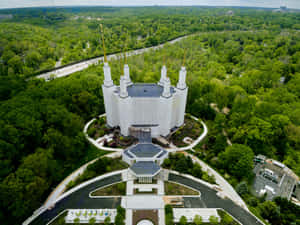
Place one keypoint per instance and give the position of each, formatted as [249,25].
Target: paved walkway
[56,195]
[227,189]
[59,190]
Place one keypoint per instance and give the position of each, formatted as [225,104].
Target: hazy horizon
[227,3]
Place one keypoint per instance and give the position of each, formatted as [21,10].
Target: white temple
[158,107]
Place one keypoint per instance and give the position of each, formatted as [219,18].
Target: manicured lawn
[112,190]
[177,189]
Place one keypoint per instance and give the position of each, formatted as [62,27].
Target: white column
[107,75]
[167,88]
[163,75]
[127,74]
[123,87]
[128,218]
[182,77]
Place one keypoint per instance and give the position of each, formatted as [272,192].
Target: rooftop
[146,90]
[145,150]
[145,168]
[274,180]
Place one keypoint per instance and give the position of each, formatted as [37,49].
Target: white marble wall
[125,112]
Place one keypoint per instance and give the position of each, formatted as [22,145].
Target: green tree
[213,220]
[119,220]
[198,220]
[238,160]
[169,214]
[77,221]
[226,219]
[270,211]
[107,220]
[242,188]
[197,171]
[92,221]
[183,220]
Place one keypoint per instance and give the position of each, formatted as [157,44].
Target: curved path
[68,200]
[78,198]
[59,190]
[196,142]
[95,143]
[227,189]
[67,70]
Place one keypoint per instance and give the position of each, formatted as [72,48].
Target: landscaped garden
[184,164]
[191,128]
[118,189]
[98,128]
[177,189]
[119,141]
[101,166]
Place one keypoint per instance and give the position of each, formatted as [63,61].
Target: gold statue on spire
[184,55]
[121,64]
[125,57]
[104,51]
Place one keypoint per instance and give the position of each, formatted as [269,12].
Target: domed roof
[145,222]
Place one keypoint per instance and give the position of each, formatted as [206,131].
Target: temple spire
[123,87]
[182,75]
[167,88]
[163,75]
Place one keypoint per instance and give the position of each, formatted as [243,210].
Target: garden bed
[119,141]
[111,190]
[101,166]
[177,189]
[98,128]
[184,164]
[226,219]
[191,128]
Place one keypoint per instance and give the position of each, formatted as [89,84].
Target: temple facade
[159,107]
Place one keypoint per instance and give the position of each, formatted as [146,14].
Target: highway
[67,70]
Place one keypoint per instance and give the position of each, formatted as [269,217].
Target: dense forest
[243,77]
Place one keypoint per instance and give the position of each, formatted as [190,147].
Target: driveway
[211,200]
[80,200]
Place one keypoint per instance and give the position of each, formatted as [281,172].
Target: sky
[255,3]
